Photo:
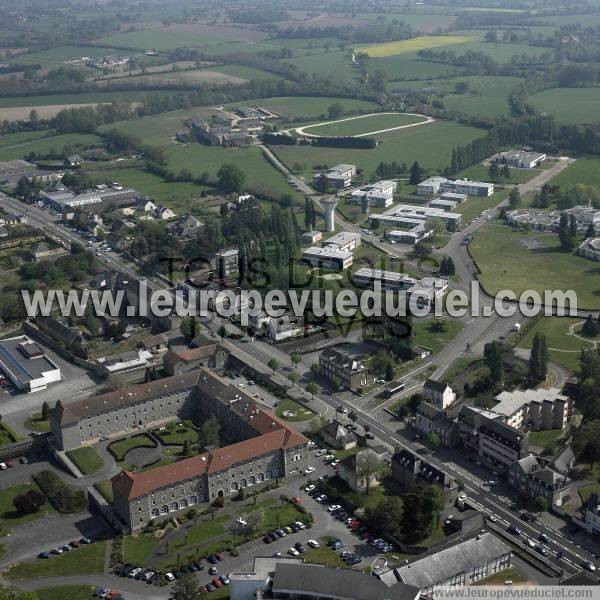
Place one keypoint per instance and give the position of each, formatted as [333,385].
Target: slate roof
[438,567]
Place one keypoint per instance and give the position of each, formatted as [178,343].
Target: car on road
[490,482]
[530,543]
[543,538]
[588,565]
[341,408]
[380,381]
[541,550]
[514,530]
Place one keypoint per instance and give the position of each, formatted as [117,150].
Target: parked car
[213,571]
[267,539]
[170,576]
[57,551]
[310,488]
[300,524]
[217,582]
[299,547]
[313,543]
[309,470]
[224,579]
[44,555]
[210,587]
[293,552]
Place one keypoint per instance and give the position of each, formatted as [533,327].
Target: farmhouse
[538,410]
[25,363]
[338,177]
[522,159]
[378,195]
[329,258]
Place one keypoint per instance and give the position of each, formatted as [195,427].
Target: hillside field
[425,42]
[569,105]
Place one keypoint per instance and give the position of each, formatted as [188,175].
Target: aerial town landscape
[298,299]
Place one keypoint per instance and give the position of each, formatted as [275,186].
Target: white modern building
[25,363]
[435,185]
[379,195]
[405,215]
[590,248]
[521,159]
[328,258]
[339,176]
[345,241]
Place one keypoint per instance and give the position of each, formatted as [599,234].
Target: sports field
[430,145]
[425,42]
[363,125]
[569,105]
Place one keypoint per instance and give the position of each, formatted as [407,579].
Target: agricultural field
[362,125]
[72,141]
[584,170]
[430,145]
[309,107]
[194,76]
[336,64]
[410,67]
[569,105]
[88,98]
[180,35]
[487,96]
[537,262]
[69,53]
[426,42]
[426,23]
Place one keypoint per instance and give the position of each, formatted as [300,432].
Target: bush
[59,494]
[29,502]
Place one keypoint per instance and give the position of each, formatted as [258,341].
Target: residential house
[186,227]
[163,213]
[42,251]
[337,436]
[144,204]
[439,393]
[73,160]
[356,477]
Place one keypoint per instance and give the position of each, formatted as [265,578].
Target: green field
[430,145]
[434,340]
[302,413]
[73,141]
[89,98]
[564,346]
[64,53]
[410,67]
[336,64]
[569,105]
[80,561]
[487,96]
[86,459]
[584,170]
[363,125]
[475,205]
[506,263]
[413,45]
[481,173]
[178,36]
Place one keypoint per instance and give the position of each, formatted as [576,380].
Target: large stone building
[343,369]
[262,447]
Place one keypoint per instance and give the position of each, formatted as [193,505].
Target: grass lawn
[499,578]
[81,561]
[36,423]
[137,549]
[481,173]
[564,348]
[86,459]
[431,145]
[9,517]
[413,45]
[434,340]
[584,170]
[122,447]
[536,262]
[362,125]
[324,555]
[302,413]
[569,105]
[587,491]
[72,592]
[179,435]
[541,438]
[341,454]
[105,488]
[475,205]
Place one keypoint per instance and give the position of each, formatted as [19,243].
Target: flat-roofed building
[311,237]
[328,258]
[538,410]
[454,197]
[447,205]
[26,364]
[461,564]
[435,185]
[405,215]
[523,159]
[345,241]
[339,176]
[430,186]
[379,195]
[590,248]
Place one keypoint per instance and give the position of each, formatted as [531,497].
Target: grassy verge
[86,459]
[72,592]
[36,423]
[301,413]
[7,435]
[105,488]
[427,337]
[83,560]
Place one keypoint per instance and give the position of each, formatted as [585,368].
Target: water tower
[329,205]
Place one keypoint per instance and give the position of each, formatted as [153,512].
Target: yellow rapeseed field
[413,45]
